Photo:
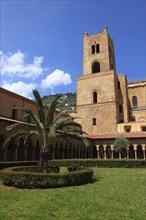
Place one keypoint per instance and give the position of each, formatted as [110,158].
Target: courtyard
[115,194]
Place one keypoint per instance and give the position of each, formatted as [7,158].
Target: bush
[111,163]
[74,168]
[14,176]
[17,163]
[51,169]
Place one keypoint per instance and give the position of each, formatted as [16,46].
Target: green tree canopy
[120,145]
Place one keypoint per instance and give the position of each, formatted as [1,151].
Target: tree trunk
[44,161]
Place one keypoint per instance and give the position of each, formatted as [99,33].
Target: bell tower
[98,53]
[97,98]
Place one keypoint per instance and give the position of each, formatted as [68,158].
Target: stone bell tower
[97,100]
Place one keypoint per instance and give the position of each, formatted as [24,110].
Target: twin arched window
[95,67]
[95,48]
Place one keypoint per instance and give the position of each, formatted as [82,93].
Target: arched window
[14,112]
[93,49]
[94,97]
[96,67]
[134,101]
[97,48]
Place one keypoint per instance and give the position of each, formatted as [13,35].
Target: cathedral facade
[107,104]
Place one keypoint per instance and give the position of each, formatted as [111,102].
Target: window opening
[97,48]
[94,121]
[14,112]
[120,108]
[127,128]
[93,49]
[144,129]
[96,67]
[94,97]
[119,86]
[134,101]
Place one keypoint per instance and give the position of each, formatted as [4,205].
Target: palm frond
[29,113]
[65,135]
[51,110]
[38,99]
[65,123]
[13,137]
[19,125]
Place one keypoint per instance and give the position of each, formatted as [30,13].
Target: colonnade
[134,151]
[68,150]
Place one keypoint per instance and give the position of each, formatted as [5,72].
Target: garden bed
[20,177]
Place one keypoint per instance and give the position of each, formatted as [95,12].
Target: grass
[117,194]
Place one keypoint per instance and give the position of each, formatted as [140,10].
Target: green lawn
[117,194]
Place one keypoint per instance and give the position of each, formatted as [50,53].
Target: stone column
[127,152]
[16,153]
[104,151]
[119,155]
[71,154]
[85,153]
[5,154]
[33,153]
[143,148]
[53,153]
[25,153]
[62,156]
[135,150]
[97,151]
[112,151]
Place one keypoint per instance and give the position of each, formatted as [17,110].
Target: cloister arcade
[16,151]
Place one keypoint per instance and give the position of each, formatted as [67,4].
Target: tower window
[119,86]
[94,97]
[94,121]
[134,101]
[120,108]
[97,48]
[96,67]
[93,49]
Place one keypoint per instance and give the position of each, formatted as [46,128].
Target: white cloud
[14,65]
[56,78]
[20,88]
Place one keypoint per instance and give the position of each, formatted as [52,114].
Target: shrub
[17,163]
[14,176]
[111,163]
[74,168]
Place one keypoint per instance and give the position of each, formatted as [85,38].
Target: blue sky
[41,41]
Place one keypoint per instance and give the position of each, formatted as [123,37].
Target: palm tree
[47,126]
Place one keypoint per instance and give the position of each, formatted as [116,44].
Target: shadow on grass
[94,180]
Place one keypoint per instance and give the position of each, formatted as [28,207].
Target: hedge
[111,163]
[12,176]
[127,163]
[17,163]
